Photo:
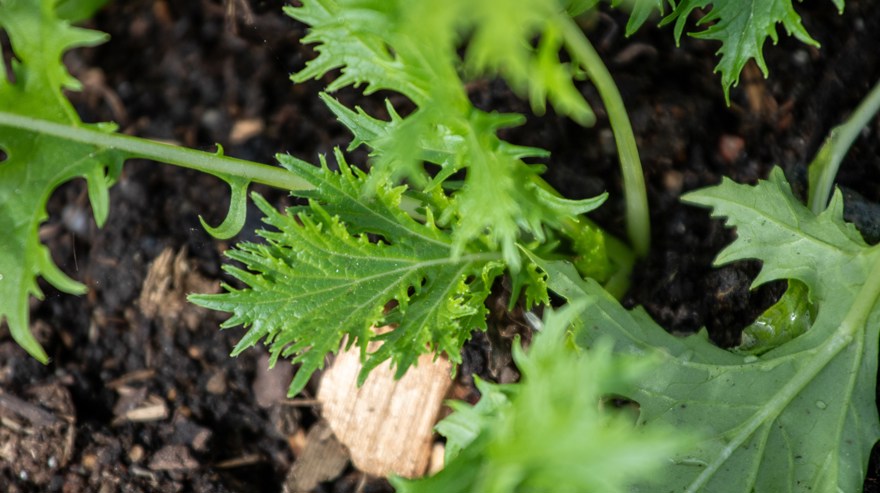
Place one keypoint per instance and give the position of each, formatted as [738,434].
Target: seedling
[447,207]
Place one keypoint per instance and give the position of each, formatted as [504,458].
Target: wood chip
[243,461]
[245,129]
[387,424]
[135,406]
[37,416]
[173,458]
[323,459]
[154,411]
[131,377]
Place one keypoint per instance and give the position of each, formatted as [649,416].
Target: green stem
[825,165]
[207,162]
[637,218]
[214,164]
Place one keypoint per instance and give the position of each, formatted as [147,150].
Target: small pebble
[730,147]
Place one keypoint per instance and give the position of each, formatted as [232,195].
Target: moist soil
[141,396]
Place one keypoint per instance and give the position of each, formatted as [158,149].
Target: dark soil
[192,73]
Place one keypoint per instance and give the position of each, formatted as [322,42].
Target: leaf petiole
[206,162]
[825,165]
[638,223]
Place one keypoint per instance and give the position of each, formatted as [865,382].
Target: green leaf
[411,48]
[36,164]
[551,431]
[742,27]
[46,144]
[319,278]
[801,417]
[78,10]
[788,318]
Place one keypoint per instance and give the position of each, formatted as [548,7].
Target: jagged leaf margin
[742,27]
[36,164]
[410,48]
[319,278]
[801,417]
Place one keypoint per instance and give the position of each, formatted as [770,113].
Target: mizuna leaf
[319,278]
[36,164]
[742,27]
[500,196]
[550,431]
[46,144]
[411,48]
[801,417]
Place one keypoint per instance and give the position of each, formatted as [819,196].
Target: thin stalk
[823,169]
[638,223]
[166,153]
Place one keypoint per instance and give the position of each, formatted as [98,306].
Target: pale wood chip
[173,458]
[243,130]
[387,424]
[151,412]
[243,461]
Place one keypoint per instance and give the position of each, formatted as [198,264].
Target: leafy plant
[800,417]
[552,431]
[742,27]
[46,144]
[448,207]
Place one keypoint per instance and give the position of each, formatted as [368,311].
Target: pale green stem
[213,164]
[823,169]
[638,223]
[157,151]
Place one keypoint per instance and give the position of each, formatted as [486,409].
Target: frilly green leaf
[800,417]
[319,277]
[410,48]
[550,431]
[742,27]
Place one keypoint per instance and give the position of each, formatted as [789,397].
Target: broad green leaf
[801,417]
[318,278]
[552,431]
[742,27]
[36,164]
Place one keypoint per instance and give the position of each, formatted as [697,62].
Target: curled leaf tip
[237,214]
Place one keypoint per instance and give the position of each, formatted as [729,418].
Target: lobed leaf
[802,416]
[319,278]
[36,164]
[410,48]
[742,27]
